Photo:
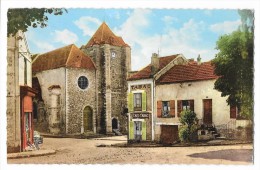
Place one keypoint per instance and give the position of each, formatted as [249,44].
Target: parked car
[37,137]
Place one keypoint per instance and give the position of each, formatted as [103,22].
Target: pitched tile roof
[68,56]
[146,73]
[104,35]
[189,72]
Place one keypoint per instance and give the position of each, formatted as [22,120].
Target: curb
[30,154]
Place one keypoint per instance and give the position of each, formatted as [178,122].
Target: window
[138,101]
[185,105]
[113,54]
[165,108]
[83,82]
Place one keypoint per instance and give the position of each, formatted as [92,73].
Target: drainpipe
[153,96]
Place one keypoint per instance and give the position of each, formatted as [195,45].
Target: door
[207,111]
[138,130]
[114,123]
[88,119]
[169,134]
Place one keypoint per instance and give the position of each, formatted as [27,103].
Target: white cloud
[173,41]
[65,36]
[44,46]
[169,19]
[225,27]
[88,25]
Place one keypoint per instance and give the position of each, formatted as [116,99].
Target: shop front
[27,94]
[140,126]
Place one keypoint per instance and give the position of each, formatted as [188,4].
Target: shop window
[185,105]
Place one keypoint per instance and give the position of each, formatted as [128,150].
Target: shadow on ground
[245,155]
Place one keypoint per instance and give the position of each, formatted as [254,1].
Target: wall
[196,91]
[53,77]
[112,84]
[13,97]
[78,99]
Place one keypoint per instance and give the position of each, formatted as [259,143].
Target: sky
[190,32]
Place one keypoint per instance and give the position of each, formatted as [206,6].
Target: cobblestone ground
[85,151]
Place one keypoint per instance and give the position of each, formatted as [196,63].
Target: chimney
[199,60]
[154,63]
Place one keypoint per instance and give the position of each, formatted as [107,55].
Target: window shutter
[179,107]
[144,101]
[131,130]
[130,102]
[191,102]
[144,130]
[172,108]
[159,108]
[233,110]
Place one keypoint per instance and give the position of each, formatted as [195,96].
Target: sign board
[140,115]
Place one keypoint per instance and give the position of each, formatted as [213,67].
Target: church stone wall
[112,85]
[78,99]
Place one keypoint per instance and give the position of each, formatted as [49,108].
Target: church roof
[104,35]
[68,56]
[146,72]
[188,72]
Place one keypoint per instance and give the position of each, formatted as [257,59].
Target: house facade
[66,78]
[19,94]
[180,84]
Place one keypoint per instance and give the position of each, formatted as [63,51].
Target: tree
[22,18]
[234,65]
[188,120]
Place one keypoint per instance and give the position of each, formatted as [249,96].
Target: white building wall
[196,91]
[53,77]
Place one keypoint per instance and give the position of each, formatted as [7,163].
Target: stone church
[83,90]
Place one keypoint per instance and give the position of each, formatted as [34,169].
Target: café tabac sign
[140,115]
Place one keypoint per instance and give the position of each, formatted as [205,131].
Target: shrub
[184,134]
[189,125]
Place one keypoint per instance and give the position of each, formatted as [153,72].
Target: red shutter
[172,108]
[191,103]
[233,113]
[179,107]
[159,108]
[28,105]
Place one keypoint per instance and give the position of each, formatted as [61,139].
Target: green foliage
[189,125]
[234,66]
[22,18]
[188,118]
[184,134]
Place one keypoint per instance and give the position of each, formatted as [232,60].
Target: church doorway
[88,119]
[114,123]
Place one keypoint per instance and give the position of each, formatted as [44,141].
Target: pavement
[122,142]
[33,153]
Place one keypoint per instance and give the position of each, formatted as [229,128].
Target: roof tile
[189,72]
[68,56]
[146,73]
[104,35]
